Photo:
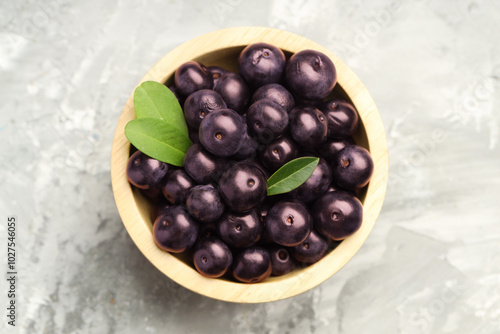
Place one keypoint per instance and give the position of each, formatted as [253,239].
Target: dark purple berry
[240,229]
[309,103]
[279,152]
[288,223]
[216,72]
[212,257]
[179,97]
[177,186]
[265,240]
[331,188]
[204,203]
[234,91]
[342,118]
[243,186]
[331,147]
[175,230]
[145,172]
[207,231]
[281,260]
[202,166]
[352,167]
[316,184]
[337,214]
[247,149]
[310,75]
[312,249]
[222,132]
[261,64]
[159,208]
[263,170]
[201,103]
[308,126]
[193,135]
[277,93]
[153,194]
[263,209]
[267,120]
[252,265]
[192,76]
[334,187]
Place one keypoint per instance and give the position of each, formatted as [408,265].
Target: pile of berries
[244,127]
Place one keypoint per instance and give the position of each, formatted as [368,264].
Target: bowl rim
[274,288]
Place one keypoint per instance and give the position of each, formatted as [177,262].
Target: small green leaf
[158,139]
[291,175]
[154,100]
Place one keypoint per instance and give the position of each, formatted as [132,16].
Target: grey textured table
[432,262]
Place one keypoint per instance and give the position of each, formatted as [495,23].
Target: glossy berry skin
[252,265]
[240,230]
[331,147]
[270,201]
[261,64]
[175,230]
[243,186]
[202,166]
[247,149]
[267,120]
[177,186]
[192,76]
[308,126]
[288,223]
[342,118]
[204,203]
[337,214]
[316,184]
[352,167]
[222,132]
[281,260]
[212,258]
[312,249]
[145,172]
[279,152]
[201,103]
[262,169]
[216,72]
[235,91]
[276,93]
[310,75]
[263,210]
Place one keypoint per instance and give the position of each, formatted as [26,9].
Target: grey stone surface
[432,262]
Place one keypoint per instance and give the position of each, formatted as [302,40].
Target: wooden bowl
[222,48]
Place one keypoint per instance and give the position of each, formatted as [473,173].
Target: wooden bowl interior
[223,49]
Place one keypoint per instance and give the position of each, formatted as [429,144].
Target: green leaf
[291,175]
[158,139]
[155,100]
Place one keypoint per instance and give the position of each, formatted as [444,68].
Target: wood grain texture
[221,48]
